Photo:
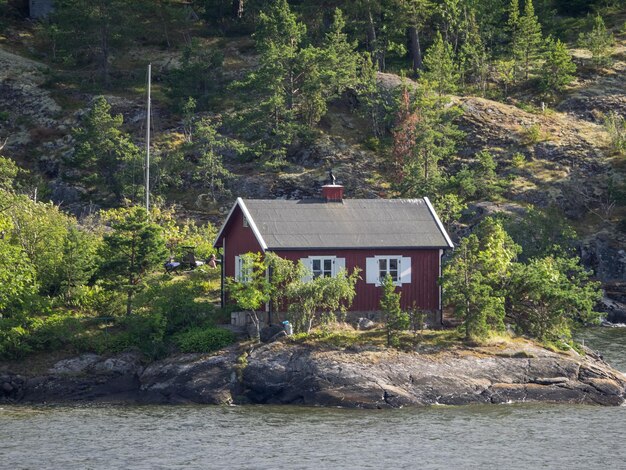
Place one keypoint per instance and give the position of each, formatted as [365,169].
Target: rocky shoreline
[298,374]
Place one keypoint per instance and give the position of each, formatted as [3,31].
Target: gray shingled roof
[353,223]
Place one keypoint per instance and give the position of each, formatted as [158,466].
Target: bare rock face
[300,375]
[284,373]
[189,378]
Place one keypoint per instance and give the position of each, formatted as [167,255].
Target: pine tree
[473,55]
[440,67]
[134,246]
[600,42]
[424,136]
[512,26]
[558,68]
[528,43]
[475,276]
[395,319]
[110,161]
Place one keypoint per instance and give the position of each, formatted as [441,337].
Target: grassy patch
[342,339]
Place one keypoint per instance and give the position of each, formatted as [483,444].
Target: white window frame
[242,273]
[388,259]
[404,275]
[321,271]
[338,264]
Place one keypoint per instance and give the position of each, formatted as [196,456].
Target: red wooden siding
[237,240]
[423,290]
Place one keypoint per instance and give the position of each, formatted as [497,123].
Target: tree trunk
[370,36]
[129,302]
[104,54]
[415,49]
[238,8]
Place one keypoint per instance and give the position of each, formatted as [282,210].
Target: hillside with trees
[509,115]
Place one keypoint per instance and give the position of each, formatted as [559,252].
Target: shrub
[518,160]
[531,134]
[204,340]
[615,125]
[13,343]
[142,330]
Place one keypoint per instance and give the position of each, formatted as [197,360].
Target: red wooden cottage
[400,237]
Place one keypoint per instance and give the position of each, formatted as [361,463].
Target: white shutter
[308,264]
[339,264]
[371,270]
[237,268]
[405,270]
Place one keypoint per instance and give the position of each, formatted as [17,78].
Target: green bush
[204,339]
[142,330]
[13,344]
[52,332]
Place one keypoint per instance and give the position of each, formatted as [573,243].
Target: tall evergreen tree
[134,246]
[529,39]
[93,28]
[441,69]
[558,68]
[473,55]
[599,41]
[474,279]
[513,26]
[294,81]
[109,160]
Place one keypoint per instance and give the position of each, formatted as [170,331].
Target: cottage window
[245,221]
[243,269]
[322,266]
[388,266]
[396,266]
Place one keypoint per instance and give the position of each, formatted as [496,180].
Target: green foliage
[615,125]
[505,73]
[558,70]
[142,330]
[474,279]
[479,180]
[8,173]
[105,27]
[518,160]
[41,231]
[528,39]
[178,303]
[531,134]
[320,298]
[440,68]
[106,157]
[203,340]
[132,248]
[473,56]
[542,233]
[295,81]
[252,289]
[79,261]
[395,319]
[424,136]
[209,169]
[599,41]
[17,279]
[550,295]
[198,77]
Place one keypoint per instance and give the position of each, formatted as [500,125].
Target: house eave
[239,203]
